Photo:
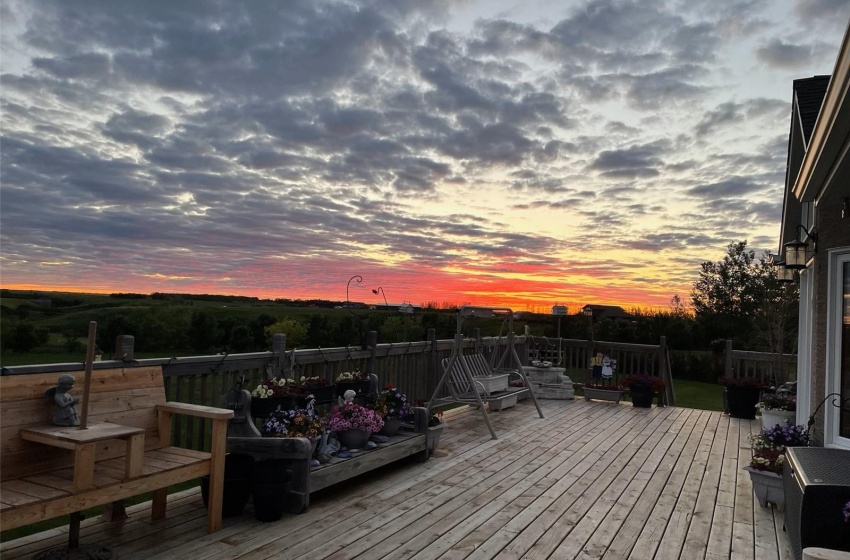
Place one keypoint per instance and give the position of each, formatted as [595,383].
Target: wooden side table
[83,442]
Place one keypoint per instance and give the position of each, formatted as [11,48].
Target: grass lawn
[704,396]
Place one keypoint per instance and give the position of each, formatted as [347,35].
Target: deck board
[591,480]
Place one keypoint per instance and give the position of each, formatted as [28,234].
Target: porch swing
[467,377]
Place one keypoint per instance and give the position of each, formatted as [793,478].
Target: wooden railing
[412,367]
[768,368]
[630,358]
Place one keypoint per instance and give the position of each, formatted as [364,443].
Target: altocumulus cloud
[276,148]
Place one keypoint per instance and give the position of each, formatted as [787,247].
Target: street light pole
[387,305]
[348,304]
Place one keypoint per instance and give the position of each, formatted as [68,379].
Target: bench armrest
[196,410]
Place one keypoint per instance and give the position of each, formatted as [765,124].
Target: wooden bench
[48,471]
[294,454]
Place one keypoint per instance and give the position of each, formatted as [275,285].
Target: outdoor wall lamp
[795,251]
[783,273]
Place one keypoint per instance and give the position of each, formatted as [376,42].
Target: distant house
[816,218]
[606,312]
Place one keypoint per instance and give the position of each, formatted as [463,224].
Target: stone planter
[502,403]
[612,395]
[493,383]
[391,426]
[353,439]
[432,437]
[771,417]
[767,487]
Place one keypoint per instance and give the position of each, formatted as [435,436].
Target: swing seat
[484,380]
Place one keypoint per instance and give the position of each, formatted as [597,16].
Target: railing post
[279,354]
[476,340]
[433,365]
[727,366]
[124,346]
[372,345]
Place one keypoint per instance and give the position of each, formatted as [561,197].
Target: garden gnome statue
[596,366]
[64,413]
[607,370]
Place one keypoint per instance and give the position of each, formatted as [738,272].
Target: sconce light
[784,274]
[795,251]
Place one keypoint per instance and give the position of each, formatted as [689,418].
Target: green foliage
[695,365]
[739,297]
[24,336]
[295,331]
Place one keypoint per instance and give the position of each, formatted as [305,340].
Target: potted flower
[776,409]
[353,424]
[642,388]
[300,422]
[320,389]
[393,407]
[357,381]
[741,396]
[602,392]
[272,394]
[768,458]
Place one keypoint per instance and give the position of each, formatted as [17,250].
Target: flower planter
[641,396]
[353,439]
[262,408]
[771,417]
[742,402]
[612,395]
[359,387]
[493,383]
[237,484]
[502,403]
[767,486]
[322,394]
[271,486]
[433,438]
[391,426]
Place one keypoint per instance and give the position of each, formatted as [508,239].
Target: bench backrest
[126,396]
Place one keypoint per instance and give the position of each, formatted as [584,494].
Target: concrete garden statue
[64,411]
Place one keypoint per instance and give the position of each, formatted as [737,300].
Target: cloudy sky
[514,152]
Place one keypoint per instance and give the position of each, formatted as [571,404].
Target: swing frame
[474,396]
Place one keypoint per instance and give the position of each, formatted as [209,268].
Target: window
[838,349]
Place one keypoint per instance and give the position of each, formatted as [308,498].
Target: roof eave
[821,155]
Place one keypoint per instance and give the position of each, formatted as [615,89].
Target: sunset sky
[519,153]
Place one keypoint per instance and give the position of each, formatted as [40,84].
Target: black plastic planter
[271,486]
[237,484]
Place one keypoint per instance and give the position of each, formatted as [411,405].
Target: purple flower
[847,512]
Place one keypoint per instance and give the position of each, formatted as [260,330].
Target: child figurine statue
[64,413]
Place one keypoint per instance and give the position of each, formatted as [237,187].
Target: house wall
[833,232]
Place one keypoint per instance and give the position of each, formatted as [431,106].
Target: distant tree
[295,331]
[739,297]
[25,336]
[203,331]
[241,339]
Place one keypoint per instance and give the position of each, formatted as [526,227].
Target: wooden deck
[591,480]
